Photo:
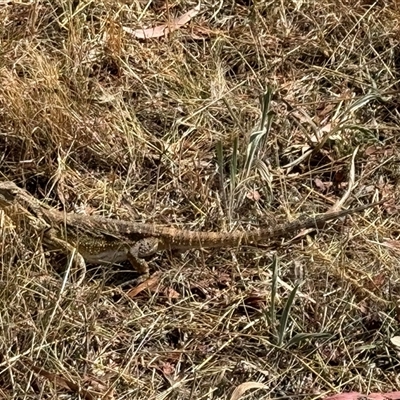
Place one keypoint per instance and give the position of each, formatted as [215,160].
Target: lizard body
[99,240]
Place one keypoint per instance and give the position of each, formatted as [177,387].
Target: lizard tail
[182,239]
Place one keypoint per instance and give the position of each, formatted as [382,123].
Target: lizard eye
[7,195]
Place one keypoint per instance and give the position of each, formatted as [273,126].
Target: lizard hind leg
[73,255]
[142,248]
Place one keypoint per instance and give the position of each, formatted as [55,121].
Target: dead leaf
[224,279]
[392,244]
[392,395]
[61,382]
[340,177]
[395,341]
[379,280]
[147,284]
[326,111]
[164,29]
[255,300]
[378,151]
[254,195]
[359,396]
[244,387]
[183,19]
[148,33]
[369,151]
[344,396]
[171,294]
[320,185]
[326,128]
[201,31]
[168,368]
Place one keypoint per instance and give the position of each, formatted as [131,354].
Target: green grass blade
[220,160]
[234,165]
[301,337]
[274,284]
[285,316]
[258,137]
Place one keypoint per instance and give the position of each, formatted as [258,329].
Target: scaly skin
[100,240]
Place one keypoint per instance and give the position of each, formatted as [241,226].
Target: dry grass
[158,130]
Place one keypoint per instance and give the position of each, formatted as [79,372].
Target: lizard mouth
[5,199]
[7,193]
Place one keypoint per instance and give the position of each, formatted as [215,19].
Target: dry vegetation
[160,130]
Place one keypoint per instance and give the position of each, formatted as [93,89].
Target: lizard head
[9,191]
[21,206]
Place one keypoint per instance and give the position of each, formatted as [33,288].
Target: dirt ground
[218,116]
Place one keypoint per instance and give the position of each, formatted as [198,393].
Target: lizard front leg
[71,251]
[142,248]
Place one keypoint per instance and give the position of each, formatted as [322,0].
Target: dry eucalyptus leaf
[164,29]
[395,341]
[244,387]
